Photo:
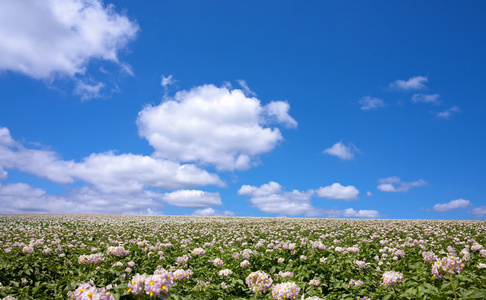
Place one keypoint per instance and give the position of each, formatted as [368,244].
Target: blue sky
[274,108]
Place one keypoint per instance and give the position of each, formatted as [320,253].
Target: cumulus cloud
[395,184]
[210,212]
[342,151]
[479,212]
[270,198]
[21,198]
[447,113]
[424,98]
[339,192]
[106,172]
[213,125]
[414,83]
[42,39]
[192,198]
[371,103]
[453,204]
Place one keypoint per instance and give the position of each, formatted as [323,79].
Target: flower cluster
[315,282]
[476,247]
[400,253]
[28,249]
[482,252]
[450,264]
[353,282]
[91,259]
[392,278]
[182,260]
[429,257]
[286,274]
[286,290]
[225,272]
[482,266]
[244,264]
[154,285]
[182,275]
[135,286]
[198,251]
[117,251]
[89,291]
[258,281]
[217,262]
[362,264]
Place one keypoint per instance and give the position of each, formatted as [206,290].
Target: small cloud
[447,113]
[246,89]
[479,212]
[342,151]
[166,81]
[453,204]
[362,213]
[414,83]
[338,192]
[368,193]
[347,213]
[278,111]
[370,103]
[88,91]
[210,212]
[424,98]
[192,198]
[272,199]
[395,184]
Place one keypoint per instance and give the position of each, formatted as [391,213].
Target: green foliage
[154,241]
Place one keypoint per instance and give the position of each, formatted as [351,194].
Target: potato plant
[165,257]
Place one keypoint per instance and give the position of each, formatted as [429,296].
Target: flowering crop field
[160,257]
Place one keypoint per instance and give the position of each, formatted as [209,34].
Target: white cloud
[245,88]
[106,172]
[166,81]
[447,113]
[342,151]
[192,198]
[21,198]
[207,212]
[424,98]
[371,103]
[479,212]
[369,194]
[414,83]
[42,39]
[277,111]
[88,91]
[395,184]
[270,198]
[339,192]
[213,125]
[349,212]
[453,204]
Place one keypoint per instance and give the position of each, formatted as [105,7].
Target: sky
[325,109]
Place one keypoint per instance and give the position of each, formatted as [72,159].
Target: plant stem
[450,278]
